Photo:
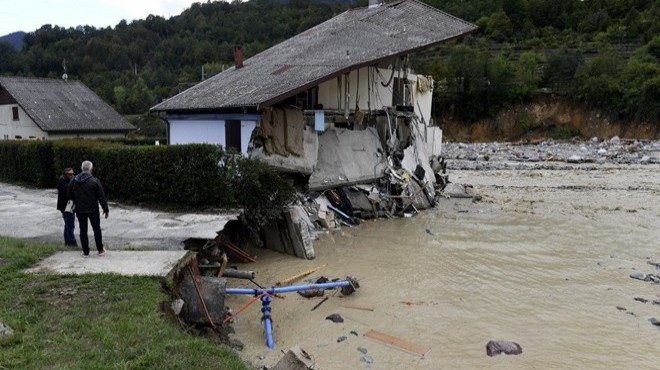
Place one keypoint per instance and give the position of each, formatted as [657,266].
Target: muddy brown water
[543,260]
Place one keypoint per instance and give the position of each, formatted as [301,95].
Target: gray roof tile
[58,105]
[350,40]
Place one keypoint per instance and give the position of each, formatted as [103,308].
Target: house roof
[58,105]
[351,40]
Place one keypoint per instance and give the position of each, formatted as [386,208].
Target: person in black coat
[69,217]
[87,193]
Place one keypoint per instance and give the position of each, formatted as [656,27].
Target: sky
[30,15]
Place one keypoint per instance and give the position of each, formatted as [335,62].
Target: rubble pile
[392,169]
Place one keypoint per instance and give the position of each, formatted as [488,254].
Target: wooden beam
[398,343]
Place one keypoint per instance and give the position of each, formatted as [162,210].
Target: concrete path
[147,263]
[30,214]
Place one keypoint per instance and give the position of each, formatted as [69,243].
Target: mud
[543,260]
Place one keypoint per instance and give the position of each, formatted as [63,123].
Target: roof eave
[339,72]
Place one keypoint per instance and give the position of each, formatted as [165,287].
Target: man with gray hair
[87,193]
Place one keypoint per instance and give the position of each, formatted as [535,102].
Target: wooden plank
[360,306]
[398,343]
[293,278]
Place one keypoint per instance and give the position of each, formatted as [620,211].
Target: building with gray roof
[38,108]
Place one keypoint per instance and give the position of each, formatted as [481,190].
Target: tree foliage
[605,51]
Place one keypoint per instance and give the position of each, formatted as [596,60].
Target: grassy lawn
[91,321]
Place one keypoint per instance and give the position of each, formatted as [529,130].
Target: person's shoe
[102,253]
[83,255]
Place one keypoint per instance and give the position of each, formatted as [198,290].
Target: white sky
[30,15]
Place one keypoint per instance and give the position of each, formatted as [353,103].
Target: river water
[543,259]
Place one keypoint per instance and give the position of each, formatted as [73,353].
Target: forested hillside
[604,52]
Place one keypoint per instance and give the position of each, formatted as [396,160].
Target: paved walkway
[30,214]
[147,263]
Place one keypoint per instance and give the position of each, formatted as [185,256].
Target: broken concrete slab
[347,157]
[212,290]
[300,231]
[131,263]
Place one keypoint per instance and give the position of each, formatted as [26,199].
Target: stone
[494,348]
[654,321]
[362,350]
[574,159]
[453,190]
[638,275]
[336,318]
[341,339]
[5,330]
[615,140]
[367,359]
[177,305]
[645,159]
[602,151]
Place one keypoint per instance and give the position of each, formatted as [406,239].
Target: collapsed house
[338,105]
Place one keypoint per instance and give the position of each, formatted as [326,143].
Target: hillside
[15,39]
[604,54]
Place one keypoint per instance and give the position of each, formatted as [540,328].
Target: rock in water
[495,347]
[335,318]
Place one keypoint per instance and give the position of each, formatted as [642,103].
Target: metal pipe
[287,289]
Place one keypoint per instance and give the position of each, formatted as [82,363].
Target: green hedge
[180,175]
[28,162]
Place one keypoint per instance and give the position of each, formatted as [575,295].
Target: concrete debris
[453,190]
[211,301]
[388,170]
[295,359]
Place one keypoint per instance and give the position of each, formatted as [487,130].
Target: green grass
[92,321]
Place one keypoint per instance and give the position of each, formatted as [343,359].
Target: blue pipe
[287,289]
[265,300]
[265,310]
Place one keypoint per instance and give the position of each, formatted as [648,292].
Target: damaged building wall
[348,157]
[332,95]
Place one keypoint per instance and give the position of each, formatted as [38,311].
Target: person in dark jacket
[87,193]
[69,217]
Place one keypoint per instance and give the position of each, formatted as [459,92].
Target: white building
[45,109]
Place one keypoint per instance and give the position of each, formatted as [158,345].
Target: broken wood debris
[395,342]
[299,276]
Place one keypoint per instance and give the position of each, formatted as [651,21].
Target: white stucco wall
[24,127]
[208,132]
[380,96]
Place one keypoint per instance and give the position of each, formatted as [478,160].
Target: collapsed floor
[386,165]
